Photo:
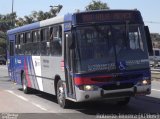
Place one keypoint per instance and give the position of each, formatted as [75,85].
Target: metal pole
[12,12]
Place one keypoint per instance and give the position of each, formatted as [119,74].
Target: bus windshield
[101,47]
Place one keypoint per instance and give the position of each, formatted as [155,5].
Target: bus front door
[69,54]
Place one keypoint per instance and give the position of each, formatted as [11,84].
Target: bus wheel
[61,95]
[24,84]
[124,102]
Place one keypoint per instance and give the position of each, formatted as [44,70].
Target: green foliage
[39,16]
[96,5]
[2,43]
[6,21]
[9,21]
[3,35]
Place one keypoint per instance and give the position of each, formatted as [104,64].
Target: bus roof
[59,19]
[110,10]
[37,25]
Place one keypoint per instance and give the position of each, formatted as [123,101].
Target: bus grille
[128,77]
[115,86]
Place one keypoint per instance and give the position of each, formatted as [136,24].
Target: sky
[149,8]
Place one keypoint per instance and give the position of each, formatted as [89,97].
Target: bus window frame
[26,38]
[36,41]
[42,36]
[58,29]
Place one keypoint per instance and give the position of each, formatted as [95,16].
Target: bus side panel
[40,75]
[11,65]
[30,72]
[11,57]
[31,67]
[35,71]
[51,68]
[19,67]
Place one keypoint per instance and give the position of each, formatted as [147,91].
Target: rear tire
[61,98]
[25,84]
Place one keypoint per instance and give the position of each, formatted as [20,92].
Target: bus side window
[45,51]
[11,48]
[16,44]
[56,40]
[135,39]
[21,45]
[28,43]
[35,44]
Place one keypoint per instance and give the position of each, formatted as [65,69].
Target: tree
[6,21]
[2,35]
[28,19]
[46,15]
[2,43]
[39,16]
[19,22]
[96,5]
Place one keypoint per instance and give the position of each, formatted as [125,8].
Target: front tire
[25,84]
[61,98]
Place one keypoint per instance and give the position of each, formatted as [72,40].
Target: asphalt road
[40,105]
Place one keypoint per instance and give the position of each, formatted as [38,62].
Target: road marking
[155,90]
[25,99]
[19,96]
[39,106]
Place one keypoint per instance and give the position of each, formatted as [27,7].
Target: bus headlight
[144,82]
[88,87]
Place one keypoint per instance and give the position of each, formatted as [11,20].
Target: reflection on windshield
[131,45]
[135,38]
[94,43]
[104,45]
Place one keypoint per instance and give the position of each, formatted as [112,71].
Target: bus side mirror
[149,41]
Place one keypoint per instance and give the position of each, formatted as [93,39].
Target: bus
[75,57]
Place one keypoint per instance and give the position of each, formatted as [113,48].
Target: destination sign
[108,16]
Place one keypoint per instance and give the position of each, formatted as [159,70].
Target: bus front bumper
[82,95]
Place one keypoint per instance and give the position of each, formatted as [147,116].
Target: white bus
[76,57]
